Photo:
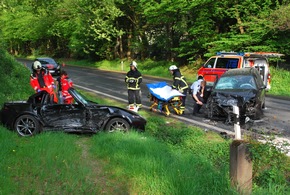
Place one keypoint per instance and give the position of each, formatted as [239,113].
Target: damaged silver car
[237,87]
[39,113]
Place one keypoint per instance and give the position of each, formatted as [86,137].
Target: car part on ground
[39,114]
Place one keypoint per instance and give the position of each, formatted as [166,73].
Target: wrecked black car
[39,113]
[237,87]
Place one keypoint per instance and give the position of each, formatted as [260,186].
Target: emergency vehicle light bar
[230,53]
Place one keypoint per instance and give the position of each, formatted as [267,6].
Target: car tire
[258,114]
[27,125]
[117,124]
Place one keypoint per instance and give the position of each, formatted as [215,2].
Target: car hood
[233,97]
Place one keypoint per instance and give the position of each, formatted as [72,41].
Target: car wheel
[117,124]
[27,125]
[258,113]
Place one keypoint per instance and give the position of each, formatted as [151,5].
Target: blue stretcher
[164,98]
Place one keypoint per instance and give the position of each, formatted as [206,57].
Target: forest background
[182,31]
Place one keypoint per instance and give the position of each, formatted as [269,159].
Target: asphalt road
[111,85]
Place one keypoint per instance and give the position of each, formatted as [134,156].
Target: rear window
[47,61]
[227,63]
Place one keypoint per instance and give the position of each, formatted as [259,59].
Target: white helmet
[133,63]
[36,65]
[173,67]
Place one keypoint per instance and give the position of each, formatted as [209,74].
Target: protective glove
[54,86]
[38,90]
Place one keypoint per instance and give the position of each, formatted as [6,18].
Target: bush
[14,79]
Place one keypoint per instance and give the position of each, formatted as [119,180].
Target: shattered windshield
[236,82]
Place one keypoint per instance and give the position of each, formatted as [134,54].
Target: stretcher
[164,98]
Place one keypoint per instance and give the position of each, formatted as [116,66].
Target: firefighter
[180,84]
[133,80]
[65,83]
[41,80]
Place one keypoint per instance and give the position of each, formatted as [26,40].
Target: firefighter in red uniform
[66,83]
[41,80]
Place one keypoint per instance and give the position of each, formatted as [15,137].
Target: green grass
[159,161]
[51,163]
[280,82]
[156,168]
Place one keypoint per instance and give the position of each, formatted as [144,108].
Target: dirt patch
[102,179]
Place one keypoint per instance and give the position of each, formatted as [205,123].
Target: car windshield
[47,61]
[80,97]
[236,82]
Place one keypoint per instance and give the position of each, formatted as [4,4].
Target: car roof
[44,58]
[241,71]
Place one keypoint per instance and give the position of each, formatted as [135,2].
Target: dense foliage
[14,79]
[181,30]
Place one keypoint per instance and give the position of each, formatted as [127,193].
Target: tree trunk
[129,40]
[240,23]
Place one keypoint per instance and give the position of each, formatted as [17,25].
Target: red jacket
[42,81]
[66,83]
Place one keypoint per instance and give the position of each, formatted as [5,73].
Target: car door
[63,115]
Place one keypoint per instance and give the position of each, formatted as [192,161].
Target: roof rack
[251,54]
[265,54]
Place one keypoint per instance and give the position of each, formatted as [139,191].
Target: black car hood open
[233,97]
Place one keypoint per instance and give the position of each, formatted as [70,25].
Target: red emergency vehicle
[216,65]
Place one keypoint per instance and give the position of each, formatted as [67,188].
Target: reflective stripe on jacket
[133,79]
[179,81]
